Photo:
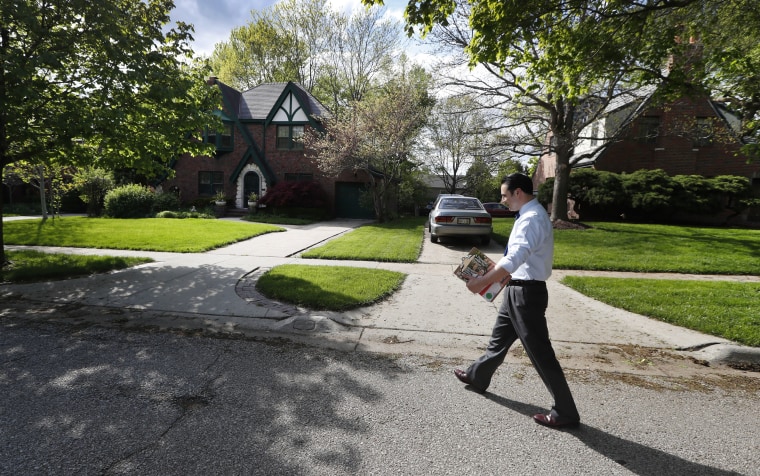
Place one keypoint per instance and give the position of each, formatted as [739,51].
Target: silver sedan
[460,216]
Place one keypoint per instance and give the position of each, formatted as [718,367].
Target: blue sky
[213,21]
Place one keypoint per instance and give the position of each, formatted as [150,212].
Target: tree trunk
[3,260]
[561,186]
[43,206]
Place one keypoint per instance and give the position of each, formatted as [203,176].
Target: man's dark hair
[515,181]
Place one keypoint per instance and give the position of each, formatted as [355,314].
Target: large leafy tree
[455,137]
[361,48]
[256,53]
[729,33]
[104,83]
[377,136]
[335,56]
[283,43]
[554,66]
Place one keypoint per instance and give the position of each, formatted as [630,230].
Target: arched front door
[251,183]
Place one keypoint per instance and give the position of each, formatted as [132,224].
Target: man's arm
[475,284]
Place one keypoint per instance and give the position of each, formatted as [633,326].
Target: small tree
[479,182]
[52,182]
[93,183]
[455,138]
[377,137]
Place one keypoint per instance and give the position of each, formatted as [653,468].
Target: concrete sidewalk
[432,314]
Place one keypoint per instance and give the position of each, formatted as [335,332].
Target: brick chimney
[686,56]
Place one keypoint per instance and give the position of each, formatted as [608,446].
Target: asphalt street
[91,400]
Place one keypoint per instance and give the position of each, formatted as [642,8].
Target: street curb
[731,355]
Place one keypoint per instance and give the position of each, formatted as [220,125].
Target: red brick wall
[280,162]
[674,153]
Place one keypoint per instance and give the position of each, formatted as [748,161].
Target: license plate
[463,221]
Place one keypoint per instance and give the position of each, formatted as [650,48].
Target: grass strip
[34,266]
[726,309]
[333,288]
[399,241]
[632,247]
[190,235]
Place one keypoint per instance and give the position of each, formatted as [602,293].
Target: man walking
[528,261]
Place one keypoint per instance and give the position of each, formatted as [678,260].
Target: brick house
[689,136]
[260,145]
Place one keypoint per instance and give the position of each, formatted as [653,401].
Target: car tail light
[444,219]
[482,219]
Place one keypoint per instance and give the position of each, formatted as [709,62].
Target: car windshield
[460,204]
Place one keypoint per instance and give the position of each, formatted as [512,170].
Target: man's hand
[475,284]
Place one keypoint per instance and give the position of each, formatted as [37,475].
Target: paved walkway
[431,314]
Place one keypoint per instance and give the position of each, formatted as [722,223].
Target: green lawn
[336,288]
[726,309]
[190,235]
[32,266]
[397,241]
[653,248]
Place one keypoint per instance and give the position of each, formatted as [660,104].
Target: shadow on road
[635,457]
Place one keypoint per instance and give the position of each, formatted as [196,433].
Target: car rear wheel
[433,238]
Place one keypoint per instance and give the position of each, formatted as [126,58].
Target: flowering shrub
[295,194]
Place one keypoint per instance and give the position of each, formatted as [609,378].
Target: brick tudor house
[689,136]
[259,146]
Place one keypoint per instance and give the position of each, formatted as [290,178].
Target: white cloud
[213,21]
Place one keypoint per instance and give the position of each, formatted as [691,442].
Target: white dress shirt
[530,249]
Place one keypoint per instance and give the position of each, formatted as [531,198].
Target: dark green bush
[696,194]
[651,195]
[129,201]
[22,208]
[545,191]
[597,194]
[166,202]
[173,214]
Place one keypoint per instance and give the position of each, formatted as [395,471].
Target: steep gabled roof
[733,121]
[230,97]
[258,103]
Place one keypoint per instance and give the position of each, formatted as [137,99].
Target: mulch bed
[569,225]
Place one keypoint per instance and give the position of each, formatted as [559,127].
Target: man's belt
[524,282]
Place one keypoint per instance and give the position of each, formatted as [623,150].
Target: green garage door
[347,201]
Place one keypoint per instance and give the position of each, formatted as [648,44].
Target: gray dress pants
[523,315]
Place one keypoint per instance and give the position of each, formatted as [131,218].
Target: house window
[703,134]
[649,129]
[223,140]
[210,182]
[290,137]
[595,134]
[299,177]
